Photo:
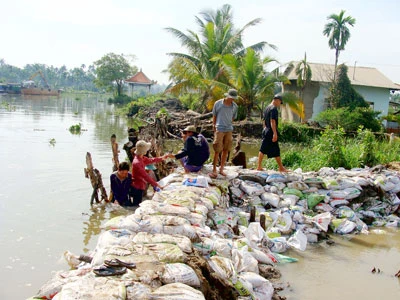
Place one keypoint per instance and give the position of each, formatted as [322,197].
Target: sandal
[119,263]
[109,271]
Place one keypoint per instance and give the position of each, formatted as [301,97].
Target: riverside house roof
[362,76]
[140,79]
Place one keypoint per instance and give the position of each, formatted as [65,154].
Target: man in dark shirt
[269,145]
[195,151]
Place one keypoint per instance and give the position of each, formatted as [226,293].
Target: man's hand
[275,137]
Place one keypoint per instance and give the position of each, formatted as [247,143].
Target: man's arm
[273,127]
[214,122]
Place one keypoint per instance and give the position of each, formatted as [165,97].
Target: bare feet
[213,175]
[222,173]
[260,169]
[283,170]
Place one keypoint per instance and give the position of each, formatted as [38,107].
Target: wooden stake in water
[95,179]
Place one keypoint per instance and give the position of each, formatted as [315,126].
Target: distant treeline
[57,78]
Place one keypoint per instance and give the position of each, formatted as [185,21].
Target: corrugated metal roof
[140,78]
[363,76]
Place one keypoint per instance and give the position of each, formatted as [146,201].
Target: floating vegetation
[7,106]
[52,142]
[77,112]
[75,129]
[78,99]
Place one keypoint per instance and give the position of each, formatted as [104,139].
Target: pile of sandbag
[194,215]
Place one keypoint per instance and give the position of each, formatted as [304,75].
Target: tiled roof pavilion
[140,79]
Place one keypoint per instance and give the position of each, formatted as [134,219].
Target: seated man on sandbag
[195,151]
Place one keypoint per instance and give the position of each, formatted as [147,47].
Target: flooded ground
[44,206]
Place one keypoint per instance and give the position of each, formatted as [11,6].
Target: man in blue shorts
[269,145]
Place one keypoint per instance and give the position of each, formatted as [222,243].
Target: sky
[77,32]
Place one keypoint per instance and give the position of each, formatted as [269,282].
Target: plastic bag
[262,288]
[251,188]
[314,199]
[223,267]
[271,198]
[322,220]
[200,181]
[179,272]
[176,291]
[254,234]
[244,261]
[298,241]
[296,192]
[276,178]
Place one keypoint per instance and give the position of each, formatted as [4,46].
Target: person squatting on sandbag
[139,175]
[195,151]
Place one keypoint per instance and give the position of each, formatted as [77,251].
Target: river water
[45,206]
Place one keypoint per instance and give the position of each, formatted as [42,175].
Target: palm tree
[247,74]
[304,74]
[338,33]
[197,71]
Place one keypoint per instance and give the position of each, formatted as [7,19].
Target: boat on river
[29,87]
[40,91]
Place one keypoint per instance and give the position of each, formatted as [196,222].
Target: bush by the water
[121,99]
[297,132]
[333,148]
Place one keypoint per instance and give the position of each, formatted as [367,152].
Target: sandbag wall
[196,216]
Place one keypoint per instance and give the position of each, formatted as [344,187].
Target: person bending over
[139,175]
[195,151]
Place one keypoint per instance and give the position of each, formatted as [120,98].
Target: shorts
[268,147]
[190,168]
[222,141]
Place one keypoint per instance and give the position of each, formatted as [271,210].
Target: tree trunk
[336,61]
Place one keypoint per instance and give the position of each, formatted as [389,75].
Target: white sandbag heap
[191,215]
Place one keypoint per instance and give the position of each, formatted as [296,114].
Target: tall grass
[333,148]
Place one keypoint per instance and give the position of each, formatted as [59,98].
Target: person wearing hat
[195,151]
[269,144]
[140,177]
[224,112]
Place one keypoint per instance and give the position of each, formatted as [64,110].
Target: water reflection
[92,227]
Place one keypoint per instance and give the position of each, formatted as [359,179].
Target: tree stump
[95,179]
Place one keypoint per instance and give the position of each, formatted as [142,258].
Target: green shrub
[331,145]
[297,133]
[367,143]
[291,159]
[350,120]
[121,99]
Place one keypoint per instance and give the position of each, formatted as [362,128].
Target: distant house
[139,80]
[368,82]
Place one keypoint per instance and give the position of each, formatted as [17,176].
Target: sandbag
[176,291]
[181,241]
[179,272]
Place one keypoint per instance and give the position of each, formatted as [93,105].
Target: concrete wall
[379,97]
[315,94]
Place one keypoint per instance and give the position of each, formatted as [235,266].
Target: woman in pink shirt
[140,177]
